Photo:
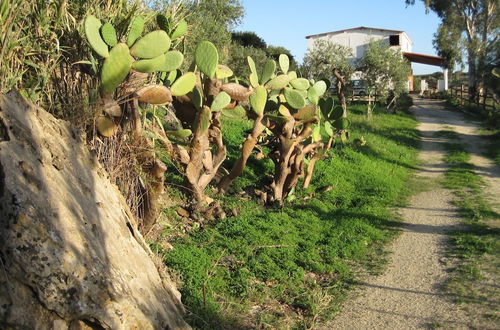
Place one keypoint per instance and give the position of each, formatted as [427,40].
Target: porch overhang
[424,59]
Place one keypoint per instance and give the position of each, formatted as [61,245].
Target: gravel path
[408,295]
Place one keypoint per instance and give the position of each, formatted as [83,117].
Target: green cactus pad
[237,113]
[328,129]
[180,29]
[220,101]
[203,120]
[312,95]
[254,79]
[306,113]
[284,63]
[196,97]
[151,45]
[316,134]
[184,84]
[278,82]
[277,119]
[163,22]
[326,106]
[170,61]
[336,113]
[258,100]
[92,27]
[320,87]
[116,67]
[300,83]
[108,33]
[292,75]
[294,98]
[251,65]
[268,71]
[342,123]
[135,30]
[206,58]
[223,72]
[179,133]
[171,77]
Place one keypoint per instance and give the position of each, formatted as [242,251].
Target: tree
[326,60]
[248,39]
[473,23]
[237,60]
[212,20]
[274,52]
[384,70]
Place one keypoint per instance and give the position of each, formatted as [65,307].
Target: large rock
[70,254]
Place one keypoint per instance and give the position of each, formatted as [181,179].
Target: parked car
[358,88]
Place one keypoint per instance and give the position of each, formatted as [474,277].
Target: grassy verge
[478,245]
[289,267]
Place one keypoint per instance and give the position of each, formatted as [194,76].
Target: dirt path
[408,295]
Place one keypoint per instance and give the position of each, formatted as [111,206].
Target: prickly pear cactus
[92,32]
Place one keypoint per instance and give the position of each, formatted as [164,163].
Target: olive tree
[327,59]
[384,70]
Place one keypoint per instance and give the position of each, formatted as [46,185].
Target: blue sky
[287,22]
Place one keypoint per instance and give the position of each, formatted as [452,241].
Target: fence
[484,99]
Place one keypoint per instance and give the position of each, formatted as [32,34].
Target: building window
[394,40]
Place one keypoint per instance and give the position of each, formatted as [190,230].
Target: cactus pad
[284,63]
[342,123]
[300,83]
[223,72]
[167,62]
[163,22]
[251,65]
[258,100]
[92,27]
[292,75]
[268,71]
[184,84]
[254,79]
[237,113]
[135,30]
[236,91]
[278,82]
[312,95]
[115,68]
[306,113]
[320,87]
[196,97]
[108,33]
[328,129]
[180,30]
[154,94]
[106,126]
[179,133]
[294,98]
[220,101]
[151,45]
[337,112]
[206,58]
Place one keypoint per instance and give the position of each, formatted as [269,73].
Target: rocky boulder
[71,257]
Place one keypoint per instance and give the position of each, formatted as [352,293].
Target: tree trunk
[472,76]
[341,89]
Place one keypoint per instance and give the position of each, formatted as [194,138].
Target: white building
[358,39]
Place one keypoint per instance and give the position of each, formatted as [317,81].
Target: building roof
[424,59]
[351,29]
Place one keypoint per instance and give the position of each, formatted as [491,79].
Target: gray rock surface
[71,257]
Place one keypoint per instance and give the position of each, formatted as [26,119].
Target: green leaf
[196,97]
[278,82]
[294,98]
[258,100]
[184,84]
[179,133]
[223,71]
[180,30]
[312,95]
[329,129]
[237,113]
[135,30]
[251,65]
[207,58]
[284,63]
[108,33]
[116,67]
[220,101]
[151,45]
[92,32]
[337,113]
[326,106]
[254,79]
[167,62]
[300,83]
[342,123]
[268,71]
[320,87]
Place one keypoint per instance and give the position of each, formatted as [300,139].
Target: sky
[287,22]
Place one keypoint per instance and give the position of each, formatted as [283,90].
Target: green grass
[477,245]
[289,267]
